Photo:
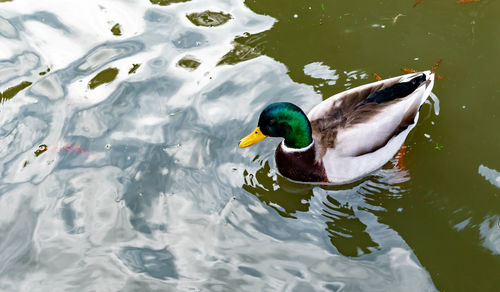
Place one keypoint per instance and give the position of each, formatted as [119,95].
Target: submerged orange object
[400,157]
[69,147]
[416,3]
[376,76]
[436,65]
[406,70]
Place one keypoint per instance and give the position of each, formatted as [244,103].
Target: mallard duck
[348,135]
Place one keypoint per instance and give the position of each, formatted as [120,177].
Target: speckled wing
[350,127]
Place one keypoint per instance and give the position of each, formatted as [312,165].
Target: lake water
[120,169]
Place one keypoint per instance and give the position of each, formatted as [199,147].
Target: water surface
[120,169]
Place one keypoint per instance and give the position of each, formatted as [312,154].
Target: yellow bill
[253,138]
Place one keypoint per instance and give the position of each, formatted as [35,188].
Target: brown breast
[300,166]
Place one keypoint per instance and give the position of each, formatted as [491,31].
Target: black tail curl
[398,90]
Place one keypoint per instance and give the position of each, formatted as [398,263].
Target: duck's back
[359,130]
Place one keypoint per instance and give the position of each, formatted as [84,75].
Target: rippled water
[120,169]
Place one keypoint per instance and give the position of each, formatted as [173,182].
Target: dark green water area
[444,208]
[103,77]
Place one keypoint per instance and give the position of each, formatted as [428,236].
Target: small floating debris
[376,76]
[189,63]
[41,149]
[407,70]
[208,18]
[417,2]
[105,76]
[466,1]
[436,65]
[116,30]
[438,147]
[395,18]
[12,91]
[167,2]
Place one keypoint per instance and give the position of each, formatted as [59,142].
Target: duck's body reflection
[346,231]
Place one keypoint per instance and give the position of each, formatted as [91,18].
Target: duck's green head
[282,119]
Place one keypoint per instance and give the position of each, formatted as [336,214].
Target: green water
[103,77]
[208,18]
[445,187]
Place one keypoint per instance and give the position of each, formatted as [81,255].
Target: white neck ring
[288,149]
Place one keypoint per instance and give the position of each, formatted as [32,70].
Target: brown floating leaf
[376,76]
[466,1]
[417,2]
[406,70]
[436,65]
